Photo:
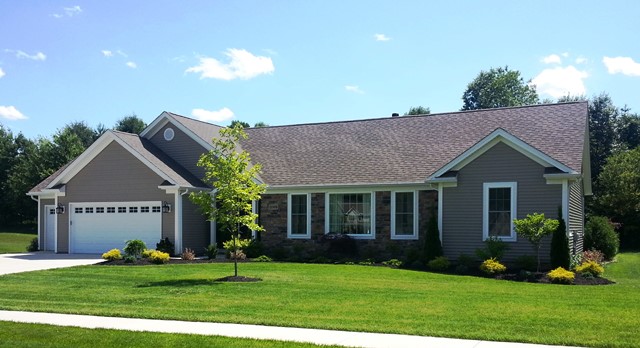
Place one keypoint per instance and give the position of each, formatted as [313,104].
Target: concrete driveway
[26,262]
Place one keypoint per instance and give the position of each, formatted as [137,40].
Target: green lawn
[356,298]
[14,242]
[34,335]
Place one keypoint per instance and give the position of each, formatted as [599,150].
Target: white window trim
[372,235]
[413,236]
[485,208]
[290,233]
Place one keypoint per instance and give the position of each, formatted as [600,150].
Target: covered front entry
[99,227]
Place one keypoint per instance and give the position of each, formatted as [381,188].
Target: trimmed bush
[188,254]
[393,263]
[165,246]
[33,245]
[340,245]
[600,235]
[263,258]
[492,267]
[526,262]
[560,254]
[439,264]
[592,255]
[590,267]
[561,276]
[432,244]
[494,248]
[254,249]
[211,251]
[146,253]
[159,257]
[111,255]
[237,255]
[134,248]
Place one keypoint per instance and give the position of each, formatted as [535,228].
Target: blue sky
[284,62]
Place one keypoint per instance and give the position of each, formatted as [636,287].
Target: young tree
[260,124]
[234,183]
[535,227]
[497,88]
[432,245]
[240,123]
[560,254]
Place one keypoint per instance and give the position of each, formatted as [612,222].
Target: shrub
[466,260]
[525,275]
[494,248]
[254,249]
[280,253]
[165,246]
[526,262]
[320,259]
[211,251]
[263,258]
[129,259]
[590,267]
[188,254]
[600,235]
[576,260]
[592,255]
[237,255]
[33,245]
[367,262]
[393,263]
[159,257]
[560,254]
[340,245]
[492,266]
[561,276]
[134,248]
[462,269]
[535,227]
[439,264]
[432,244]
[111,255]
[146,253]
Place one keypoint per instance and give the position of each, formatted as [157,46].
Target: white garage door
[99,227]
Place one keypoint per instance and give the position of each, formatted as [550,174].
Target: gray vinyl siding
[462,205]
[41,223]
[114,175]
[576,216]
[181,148]
[195,228]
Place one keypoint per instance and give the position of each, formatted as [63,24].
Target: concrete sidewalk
[343,338]
[40,260]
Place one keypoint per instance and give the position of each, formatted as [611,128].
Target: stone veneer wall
[273,217]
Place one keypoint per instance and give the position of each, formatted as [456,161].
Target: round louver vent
[168,134]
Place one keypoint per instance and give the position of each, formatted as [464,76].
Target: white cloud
[122,53]
[21,54]
[11,113]
[622,65]
[69,12]
[107,53]
[381,37]
[552,58]
[565,54]
[560,81]
[212,116]
[132,65]
[2,73]
[354,89]
[242,64]
[581,60]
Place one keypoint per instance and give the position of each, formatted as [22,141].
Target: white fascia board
[96,148]
[347,187]
[165,118]
[443,180]
[497,136]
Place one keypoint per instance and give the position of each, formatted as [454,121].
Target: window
[133,209]
[78,210]
[499,210]
[404,215]
[122,209]
[299,216]
[350,213]
[111,210]
[144,209]
[156,209]
[88,210]
[99,210]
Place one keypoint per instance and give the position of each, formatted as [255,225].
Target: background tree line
[24,163]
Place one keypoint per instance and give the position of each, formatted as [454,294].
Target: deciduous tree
[130,124]
[535,227]
[497,88]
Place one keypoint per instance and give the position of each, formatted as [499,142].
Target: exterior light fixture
[166,207]
[60,209]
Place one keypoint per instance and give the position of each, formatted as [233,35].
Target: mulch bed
[541,277]
[146,262]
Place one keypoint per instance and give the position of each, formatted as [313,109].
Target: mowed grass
[14,242]
[356,298]
[18,335]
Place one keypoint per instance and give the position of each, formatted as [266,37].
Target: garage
[99,227]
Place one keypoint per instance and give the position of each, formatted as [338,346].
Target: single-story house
[378,180]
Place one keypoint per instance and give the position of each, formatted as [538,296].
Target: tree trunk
[235,254]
